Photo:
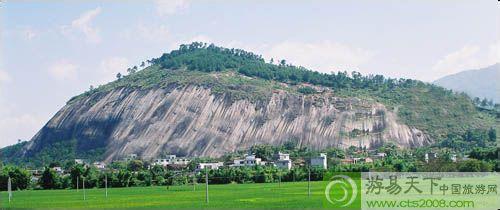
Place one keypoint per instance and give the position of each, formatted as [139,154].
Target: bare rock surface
[190,121]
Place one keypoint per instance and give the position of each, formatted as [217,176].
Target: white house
[171,159]
[250,160]
[100,165]
[182,161]
[58,170]
[380,155]
[213,166]
[79,161]
[453,158]
[283,161]
[368,160]
[162,162]
[319,161]
[430,156]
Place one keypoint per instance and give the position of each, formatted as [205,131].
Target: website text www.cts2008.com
[420,203]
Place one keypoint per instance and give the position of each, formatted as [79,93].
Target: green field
[268,195]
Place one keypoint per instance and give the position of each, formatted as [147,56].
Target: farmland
[267,195]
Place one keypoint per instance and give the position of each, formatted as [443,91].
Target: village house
[453,158]
[430,156]
[58,170]
[99,165]
[249,160]
[283,161]
[165,161]
[368,160]
[79,161]
[378,156]
[182,161]
[171,160]
[161,162]
[212,166]
[356,160]
[346,161]
[320,161]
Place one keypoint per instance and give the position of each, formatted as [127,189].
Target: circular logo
[347,197]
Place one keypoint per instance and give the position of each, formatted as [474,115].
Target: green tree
[135,165]
[484,102]
[91,176]
[20,178]
[264,151]
[492,134]
[49,179]
[76,174]
[474,166]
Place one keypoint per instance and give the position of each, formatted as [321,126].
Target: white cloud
[325,56]
[4,77]
[83,25]
[22,127]
[467,58]
[152,33]
[110,67]
[170,7]
[63,70]
[17,126]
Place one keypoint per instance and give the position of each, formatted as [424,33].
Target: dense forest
[209,58]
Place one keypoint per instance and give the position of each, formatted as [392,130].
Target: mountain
[482,83]
[204,100]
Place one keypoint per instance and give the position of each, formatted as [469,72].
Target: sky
[51,51]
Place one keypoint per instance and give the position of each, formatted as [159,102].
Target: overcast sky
[52,51]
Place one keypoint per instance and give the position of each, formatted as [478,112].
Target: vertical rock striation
[191,121]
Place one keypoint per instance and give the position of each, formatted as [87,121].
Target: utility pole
[83,186]
[194,182]
[309,175]
[309,182]
[106,184]
[279,179]
[206,185]
[9,188]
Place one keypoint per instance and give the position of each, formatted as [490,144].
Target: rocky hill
[205,101]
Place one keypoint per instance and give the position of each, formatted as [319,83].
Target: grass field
[268,195]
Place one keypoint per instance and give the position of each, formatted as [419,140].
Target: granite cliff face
[190,120]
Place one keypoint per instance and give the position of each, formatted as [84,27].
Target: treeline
[472,139]
[140,174]
[208,58]
[134,176]
[485,103]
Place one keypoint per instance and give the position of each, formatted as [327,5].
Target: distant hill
[482,83]
[204,100]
